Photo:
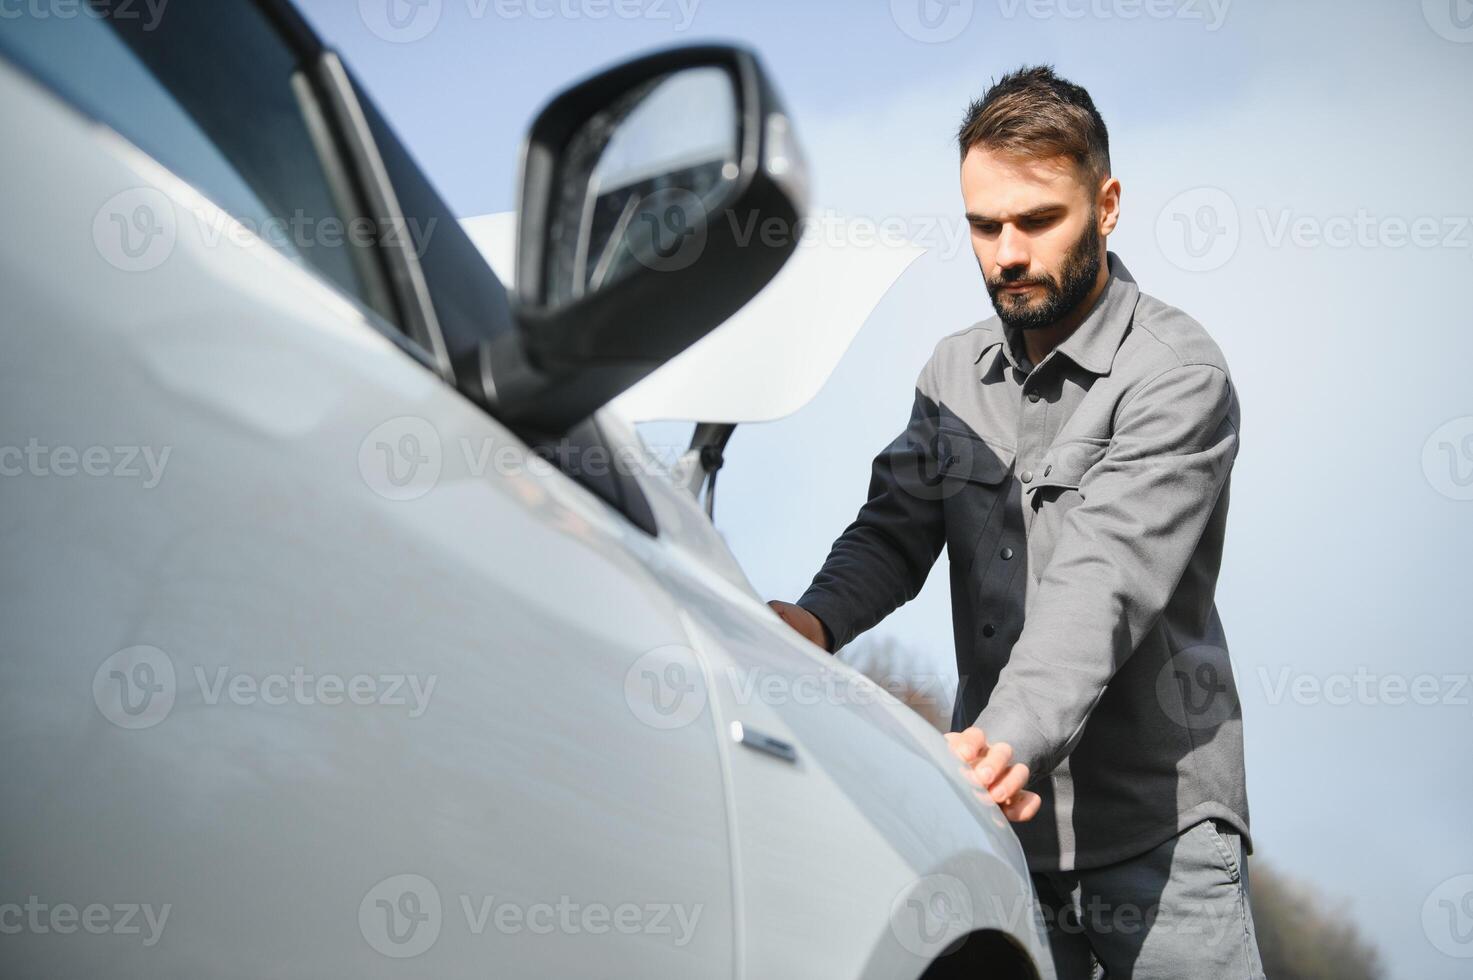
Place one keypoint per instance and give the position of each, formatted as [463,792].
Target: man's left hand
[992,770]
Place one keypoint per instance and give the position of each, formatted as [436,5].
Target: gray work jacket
[1082,503]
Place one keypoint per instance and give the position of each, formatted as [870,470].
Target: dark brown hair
[1035,114]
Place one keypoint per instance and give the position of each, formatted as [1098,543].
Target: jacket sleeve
[883,558]
[1120,554]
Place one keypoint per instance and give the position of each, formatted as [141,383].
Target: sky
[1296,177]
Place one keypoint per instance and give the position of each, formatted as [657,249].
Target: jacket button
[1007,554]
[1027,476]
[989,630]
[1033,396]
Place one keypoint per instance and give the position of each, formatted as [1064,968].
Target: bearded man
[1072,453]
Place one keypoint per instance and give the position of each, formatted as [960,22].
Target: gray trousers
[1177,912]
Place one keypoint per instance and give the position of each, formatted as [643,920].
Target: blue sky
[1319,136]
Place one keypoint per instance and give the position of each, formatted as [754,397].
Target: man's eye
[985,227]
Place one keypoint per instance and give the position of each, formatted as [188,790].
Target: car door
[314,668]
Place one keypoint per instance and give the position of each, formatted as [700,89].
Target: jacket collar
[1093,344]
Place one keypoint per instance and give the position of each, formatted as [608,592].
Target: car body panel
[527,757]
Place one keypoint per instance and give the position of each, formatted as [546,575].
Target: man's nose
[1012,249]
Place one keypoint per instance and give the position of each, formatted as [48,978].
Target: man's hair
[1035,114]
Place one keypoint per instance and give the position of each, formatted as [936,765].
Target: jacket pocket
[1064,465]
[975,474]
[1053,492]
[965,457]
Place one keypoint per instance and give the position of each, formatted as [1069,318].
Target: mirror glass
[640,179]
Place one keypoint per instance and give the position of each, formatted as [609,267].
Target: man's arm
[883,558]
[1120,555]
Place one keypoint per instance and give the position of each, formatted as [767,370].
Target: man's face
[1036,233]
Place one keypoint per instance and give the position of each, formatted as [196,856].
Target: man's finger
[997,759]
[967,745]
[1010,783]
[1023,807]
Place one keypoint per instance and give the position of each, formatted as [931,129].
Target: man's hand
[992,770]
[800,619]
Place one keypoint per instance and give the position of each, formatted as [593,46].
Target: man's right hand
[808,625]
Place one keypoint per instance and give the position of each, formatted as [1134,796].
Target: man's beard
[1081,269]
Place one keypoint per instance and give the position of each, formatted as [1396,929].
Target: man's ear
[1107,204]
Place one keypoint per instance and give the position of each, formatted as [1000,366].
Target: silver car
[350,632]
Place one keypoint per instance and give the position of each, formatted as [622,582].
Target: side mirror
[657,198]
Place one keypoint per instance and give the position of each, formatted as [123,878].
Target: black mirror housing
[578,346]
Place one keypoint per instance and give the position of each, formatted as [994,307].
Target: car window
[215,94]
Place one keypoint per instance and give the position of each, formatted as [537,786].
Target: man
[1072,453]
